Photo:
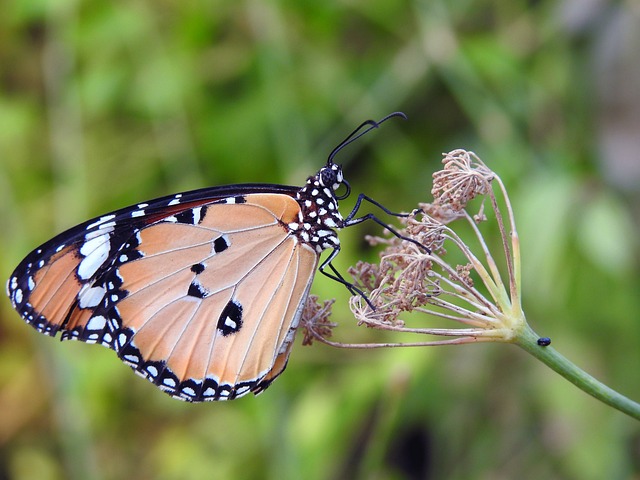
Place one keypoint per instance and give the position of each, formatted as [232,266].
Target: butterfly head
[331,177]
[325,183]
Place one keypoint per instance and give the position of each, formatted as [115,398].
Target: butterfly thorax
[319,215]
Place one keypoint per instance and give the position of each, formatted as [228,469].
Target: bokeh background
[107,103]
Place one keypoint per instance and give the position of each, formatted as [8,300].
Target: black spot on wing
[198,268]
[230,320]
[192,216]
[220,244]
[196,290]
[185,217]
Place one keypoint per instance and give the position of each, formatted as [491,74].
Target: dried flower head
[463,178]
[315,320]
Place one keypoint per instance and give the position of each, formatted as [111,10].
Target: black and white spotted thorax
[319,217]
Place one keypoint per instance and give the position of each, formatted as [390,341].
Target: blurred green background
[104,104]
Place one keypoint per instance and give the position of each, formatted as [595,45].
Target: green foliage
[103,104]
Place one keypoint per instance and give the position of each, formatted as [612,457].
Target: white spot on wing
[101,230]
[100,221]
[242,390]
[137,213]
[95,251]
[189,391]
[114,324]
[176,199]
[230,323]
[131,359]
[196,215]
[91,297]
[96,323]
[18,295]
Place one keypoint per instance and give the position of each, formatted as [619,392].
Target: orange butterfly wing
[213,324]
[204,302]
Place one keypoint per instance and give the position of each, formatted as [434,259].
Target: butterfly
[199,292]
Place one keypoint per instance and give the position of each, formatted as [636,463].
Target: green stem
[528,340]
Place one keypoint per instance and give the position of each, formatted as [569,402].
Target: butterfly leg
[350,220]
[337,276]
[353,220]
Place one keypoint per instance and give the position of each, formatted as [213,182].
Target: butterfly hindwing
[213,323]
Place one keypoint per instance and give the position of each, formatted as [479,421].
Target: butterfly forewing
[200,293]
[45,285]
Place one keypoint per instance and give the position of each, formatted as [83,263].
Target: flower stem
[527,339]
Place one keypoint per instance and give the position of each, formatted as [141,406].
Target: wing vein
[264,312]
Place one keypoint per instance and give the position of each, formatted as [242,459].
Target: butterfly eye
[329,178]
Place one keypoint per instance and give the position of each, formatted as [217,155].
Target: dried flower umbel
[480,302]
[410,279]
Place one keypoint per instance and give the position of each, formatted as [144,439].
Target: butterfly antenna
[353,136]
